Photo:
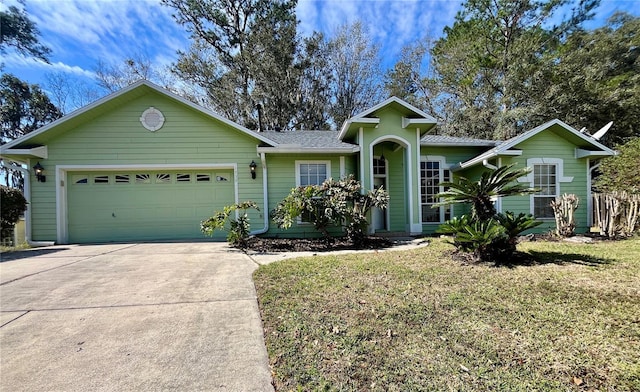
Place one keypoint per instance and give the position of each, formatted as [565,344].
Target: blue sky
[83,32]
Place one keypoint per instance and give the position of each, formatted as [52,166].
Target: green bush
[12,206]
[487,234]
[494,239]
[239,229]
[340,203]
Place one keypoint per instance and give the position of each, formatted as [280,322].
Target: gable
[119,135]
[581,145]
[115,103]
[402,115]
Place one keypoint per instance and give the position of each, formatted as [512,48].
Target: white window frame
[299,163]
[327,163]
[442,167]
[560,178]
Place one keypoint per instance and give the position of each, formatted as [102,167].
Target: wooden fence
[616,214]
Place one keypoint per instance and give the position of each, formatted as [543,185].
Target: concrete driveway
[131,317]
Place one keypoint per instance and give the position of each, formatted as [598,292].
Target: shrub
[486,234]
[12,206]
[620,173]
[563,210]
[238,228]
[493,239]
[341,203]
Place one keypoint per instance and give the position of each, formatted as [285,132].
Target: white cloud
[106,30]
[391,24]
[14,61]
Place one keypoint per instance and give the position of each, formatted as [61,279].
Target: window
[545,179]
[163,178]
[547,175]
[122,178]
[143,179]
[311,173]
[101,179]
[432,173]
[183,177]
[379,167]
[201,177]
[80,179]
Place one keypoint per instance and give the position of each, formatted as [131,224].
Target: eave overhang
[357,122]
[307,150]
[34,152]
[424,124]
[493,153]
[582,153]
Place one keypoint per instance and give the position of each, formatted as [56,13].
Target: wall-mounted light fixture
[253,167]
[39,172]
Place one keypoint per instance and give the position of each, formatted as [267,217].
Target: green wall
[116,137]
[549,144]
[282,178]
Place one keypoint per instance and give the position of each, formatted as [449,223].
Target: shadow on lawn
[533,258]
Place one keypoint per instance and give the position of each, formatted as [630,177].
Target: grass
[7,249]
[419,320]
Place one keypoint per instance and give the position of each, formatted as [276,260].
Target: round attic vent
[152,119]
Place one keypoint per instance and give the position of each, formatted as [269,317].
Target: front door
[379,216]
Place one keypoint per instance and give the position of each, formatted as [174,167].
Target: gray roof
[307,140]
[444,140]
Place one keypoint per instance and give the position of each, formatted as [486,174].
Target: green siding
[282,178]
[453,155]
[116,137]
[548,144]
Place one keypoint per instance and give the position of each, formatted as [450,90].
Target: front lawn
[420,320]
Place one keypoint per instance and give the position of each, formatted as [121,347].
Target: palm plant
[487,234]
[482,194]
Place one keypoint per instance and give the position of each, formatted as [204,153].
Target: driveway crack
[65,265]
[15,318]
[208,301]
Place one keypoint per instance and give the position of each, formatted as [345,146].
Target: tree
[113,77]
[595,78]
[620,173]
[243,53]
[491,63]
[21,33]
[314,91]
[355,64]
[12,206]
[238,228]
[23,108]
[412,78]
[482,194]
[68,93]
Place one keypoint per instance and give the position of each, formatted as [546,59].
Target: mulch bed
[259,244]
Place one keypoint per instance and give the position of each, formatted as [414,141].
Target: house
[145,164]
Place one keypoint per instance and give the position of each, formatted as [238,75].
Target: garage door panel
[151,206]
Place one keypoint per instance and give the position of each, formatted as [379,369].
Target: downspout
[486,164]
[265,197]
